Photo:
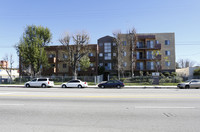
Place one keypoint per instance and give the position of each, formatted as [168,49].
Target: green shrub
[167,74]
[197,72]
[150,81]
[173,74]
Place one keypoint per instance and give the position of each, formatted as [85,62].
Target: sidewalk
[95,86]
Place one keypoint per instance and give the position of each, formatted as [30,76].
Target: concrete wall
[186,72]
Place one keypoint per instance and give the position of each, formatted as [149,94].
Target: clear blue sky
[102,17]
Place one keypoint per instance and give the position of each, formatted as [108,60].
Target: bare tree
[183,63]
[132,38]
[75,51]
[120,51]
[8,61]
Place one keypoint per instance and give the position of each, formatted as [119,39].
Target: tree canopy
[31,48]
[197,72]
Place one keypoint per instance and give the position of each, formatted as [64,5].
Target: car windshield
[188,81]
[34,80]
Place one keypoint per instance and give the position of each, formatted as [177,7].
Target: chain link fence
[56,79]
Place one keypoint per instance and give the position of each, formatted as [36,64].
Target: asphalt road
[99,110]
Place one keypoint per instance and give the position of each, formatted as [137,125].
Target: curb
[126,87]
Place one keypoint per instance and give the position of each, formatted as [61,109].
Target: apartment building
[3,64]
[60,67]
[153,52]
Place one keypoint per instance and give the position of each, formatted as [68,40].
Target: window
[167,63]
[167,53]
[157,42]
[139,55]
[107,47]
[100,54]
[64,65]
[140,45]
[195,81]
[42,79]
[107,56]
[114,54]
[90,54]
[100,64]
[108,66]
[91,64]
[114,44]
[125,64]
[149,55]
[111,81]
[167,42]
[124,43]
[34,80]
[64,56]
[74,81]
[150,44]
[150,65]
[100,44]
[140,66]
[124,54]
[52,55]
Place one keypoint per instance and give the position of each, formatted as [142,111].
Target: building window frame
[107,56]
[167,42]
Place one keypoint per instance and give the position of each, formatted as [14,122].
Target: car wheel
[187,86]
[64,86]
[43,86]
[79,86]
[102,86]
[118,86]
[27,85]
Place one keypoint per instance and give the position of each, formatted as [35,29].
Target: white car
[40,82]
[75,83]
[194,83]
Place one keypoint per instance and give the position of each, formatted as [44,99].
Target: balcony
[145,47]
[158,57]
[52,60]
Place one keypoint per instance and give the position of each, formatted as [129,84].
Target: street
[99,110]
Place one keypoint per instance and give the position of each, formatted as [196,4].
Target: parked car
[111,84]
[193,83]
[40,82]
[75,83]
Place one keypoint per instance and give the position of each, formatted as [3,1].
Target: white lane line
[12,93]
[158,107]
[11,104]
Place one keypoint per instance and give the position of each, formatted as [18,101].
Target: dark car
[111,84]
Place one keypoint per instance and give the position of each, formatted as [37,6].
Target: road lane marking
[12,93]
[11,104]
[162,107]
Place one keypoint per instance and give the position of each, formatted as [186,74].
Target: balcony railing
[156,46]
[149,68]
[158,57]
